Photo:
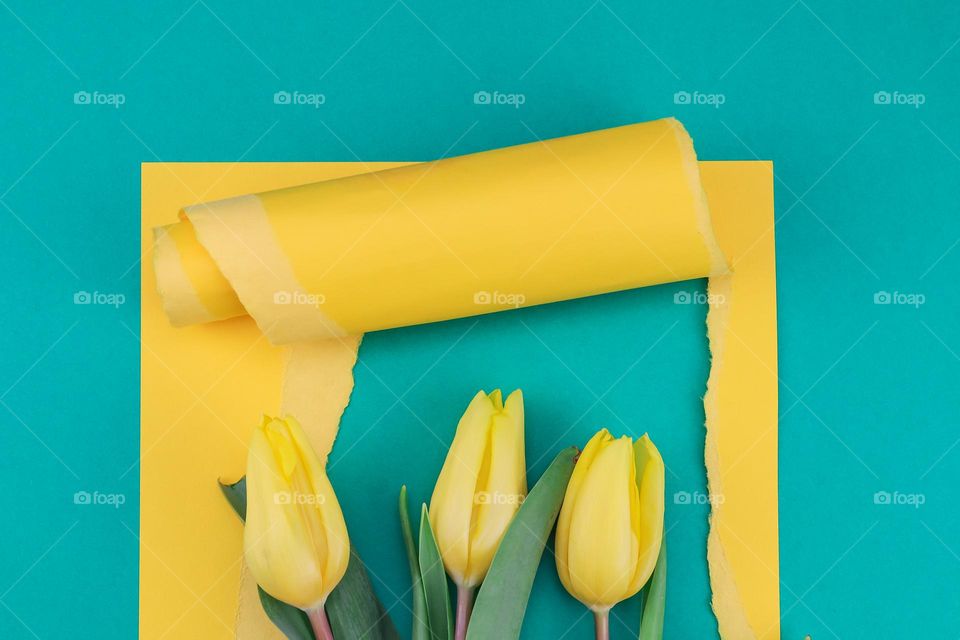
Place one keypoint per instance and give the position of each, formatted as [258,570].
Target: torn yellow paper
[313,390]
[539,222]
[741,404]
[218,375]
[202,388]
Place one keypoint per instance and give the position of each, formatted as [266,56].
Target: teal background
[866,203]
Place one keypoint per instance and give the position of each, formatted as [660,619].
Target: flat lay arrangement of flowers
[275,253]
[476,547]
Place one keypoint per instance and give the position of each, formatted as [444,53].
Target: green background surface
[856,103]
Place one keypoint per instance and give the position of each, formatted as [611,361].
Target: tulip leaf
[236,495]
[291,621]
[435,588]
[353,608]
[655,599]
[502,600]
[421,628]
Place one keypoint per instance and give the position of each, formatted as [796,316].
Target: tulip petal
[325,504]
[500,490]
[295,539]
[283,448]
[451,506]
[496,398]
[277,545]
[602,544]
[648,526]
[585,460]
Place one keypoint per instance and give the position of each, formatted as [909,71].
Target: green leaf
[502,600]
[236,495]
[655,599]
[439,613]
[291,621]
[353,608]
[421,627]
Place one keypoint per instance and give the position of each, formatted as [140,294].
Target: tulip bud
[611,523]
[481,486]
[295,540]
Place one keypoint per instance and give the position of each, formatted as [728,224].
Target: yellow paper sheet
[741,404]
[566,218]
[201,384]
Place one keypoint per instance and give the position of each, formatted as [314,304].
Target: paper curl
[566,218]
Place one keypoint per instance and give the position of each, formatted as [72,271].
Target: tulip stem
[464,607]
[320,624]
[601,624]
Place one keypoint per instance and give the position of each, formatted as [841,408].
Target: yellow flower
[611,523]
[295,540]
[481,486]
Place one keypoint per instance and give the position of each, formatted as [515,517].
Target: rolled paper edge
[266,285]
[180,300]
[220,236]
[691,169]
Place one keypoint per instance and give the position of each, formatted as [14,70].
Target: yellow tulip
[611,524]
[481,486]
[295,540]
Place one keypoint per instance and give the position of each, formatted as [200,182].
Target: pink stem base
[601,624]
[320,624]
[464,607]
